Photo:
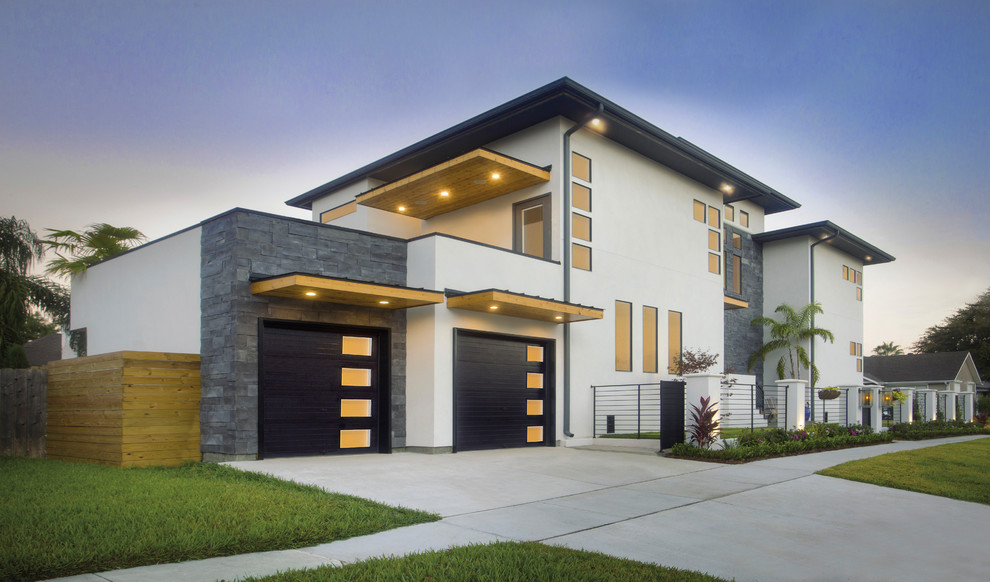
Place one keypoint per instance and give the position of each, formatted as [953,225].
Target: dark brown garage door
[323,390]
[503,391]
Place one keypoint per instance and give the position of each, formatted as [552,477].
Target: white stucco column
[931,405]
[876,409]
[698,386]
[907,409]
[950,405]
[795,401]
[854,408]
[968,406]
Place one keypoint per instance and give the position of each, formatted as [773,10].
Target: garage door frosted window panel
[356,346]
[358,377]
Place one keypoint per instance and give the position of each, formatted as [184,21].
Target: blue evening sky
[873,114]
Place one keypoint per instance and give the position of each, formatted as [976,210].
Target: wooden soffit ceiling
[475,177]
[330,290]
[525,306]
[733,303]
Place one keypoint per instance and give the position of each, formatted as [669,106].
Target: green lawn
[504,562]
[957,470]
[63,518]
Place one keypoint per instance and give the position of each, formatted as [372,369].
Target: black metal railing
[830,410]
[751,406]
[631,410]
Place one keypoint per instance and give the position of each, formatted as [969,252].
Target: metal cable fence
[631,410]
[830,405]
[751,406]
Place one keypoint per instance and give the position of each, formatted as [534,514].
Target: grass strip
[61,518]
[956,470]
[501,562]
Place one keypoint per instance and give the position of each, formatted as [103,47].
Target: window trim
[518,209]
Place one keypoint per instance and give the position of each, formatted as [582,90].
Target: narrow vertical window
[713,217]
[580,167]
[699,211]
[845,272]
[744,218]
[736,241]
[852,348]
[714,240]
[859,293]
[581,197]
[581,257]
[859,365]
[714,264]
[531,227]
[737,274]
[649,339]
[730,213]
[674,337]
[581,226]
[623,336]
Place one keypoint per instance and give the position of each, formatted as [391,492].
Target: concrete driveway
[768,520]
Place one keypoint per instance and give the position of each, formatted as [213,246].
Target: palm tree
[97,243]
[789,335]
[888,349]
[21,293]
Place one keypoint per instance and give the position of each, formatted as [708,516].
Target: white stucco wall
[647,250]
[843,316]
[146,300]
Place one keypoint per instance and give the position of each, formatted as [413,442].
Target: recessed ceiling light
[402,209]
[493,307]
[311,293]
[445,193]
[727,188]
[559,317]
[596,121]
[495,176]
[383,302]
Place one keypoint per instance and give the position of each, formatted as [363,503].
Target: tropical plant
[888,349]
[789,336]
[704,427]
[76,251]
[22,294]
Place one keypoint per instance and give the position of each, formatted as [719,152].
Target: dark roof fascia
[571,100]
[845,241]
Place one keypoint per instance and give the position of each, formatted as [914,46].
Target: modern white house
[467,291]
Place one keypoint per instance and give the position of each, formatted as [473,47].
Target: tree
[888,349]
[76,251]
[968,330]
[789,335]
[20,293]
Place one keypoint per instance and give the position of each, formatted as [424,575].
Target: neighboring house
[943,382]
[44,349]
[462,293]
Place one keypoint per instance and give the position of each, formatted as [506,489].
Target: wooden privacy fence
[22,412]
[125,409]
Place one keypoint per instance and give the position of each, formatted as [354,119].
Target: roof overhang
[733,303]
[525,306]
[344,291]
[568,99]
[472,178]
[843,240]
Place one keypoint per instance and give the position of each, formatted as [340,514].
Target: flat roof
[568,99]
[844,240]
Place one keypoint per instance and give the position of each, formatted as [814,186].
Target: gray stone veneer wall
[742,338]
[241,244]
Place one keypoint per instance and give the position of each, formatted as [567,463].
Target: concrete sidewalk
[767,520]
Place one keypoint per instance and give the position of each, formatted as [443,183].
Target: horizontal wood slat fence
[125,409]
[22,412]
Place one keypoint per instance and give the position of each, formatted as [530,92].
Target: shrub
[765,448]
[936,428]
[704,427]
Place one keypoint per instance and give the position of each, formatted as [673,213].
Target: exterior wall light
[867,396]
